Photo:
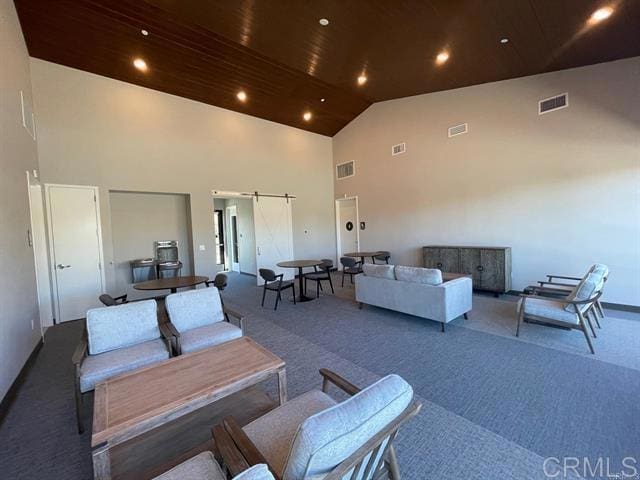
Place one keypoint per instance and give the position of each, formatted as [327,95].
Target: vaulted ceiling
[277,52]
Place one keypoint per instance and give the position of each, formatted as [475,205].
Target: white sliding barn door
[76,249]
[274,234]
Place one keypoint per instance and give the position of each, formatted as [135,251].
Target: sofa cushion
[110,328]
[194,308]
[427,276]
[332,435]
[273,433]
[201,467]
[585,289]
[207,336]
[380,271]
[549,309]
[98,368]
[257,472]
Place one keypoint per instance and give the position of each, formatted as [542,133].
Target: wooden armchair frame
[237,452]
[583,319]
[551,283]
[175,334]
[80,354]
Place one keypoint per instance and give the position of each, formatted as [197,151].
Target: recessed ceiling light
[324,22]
[322,99]
[140,64]
[144,32]
[242,96]
[504,40]
[306,116]
[442,58]
[362,79]
[601,14]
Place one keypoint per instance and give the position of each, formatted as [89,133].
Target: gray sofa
[413,290]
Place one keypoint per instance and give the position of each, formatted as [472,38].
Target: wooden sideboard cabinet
[489,266]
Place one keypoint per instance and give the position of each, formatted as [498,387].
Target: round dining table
[172,283]
[300,264]
[363,255]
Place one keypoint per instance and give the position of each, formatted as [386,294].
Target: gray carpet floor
[495,406]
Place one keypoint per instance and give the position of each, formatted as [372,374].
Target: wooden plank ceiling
[278,53]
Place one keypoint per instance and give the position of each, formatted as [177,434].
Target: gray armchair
[205,467]
[313,436]
[116,340]
[199,320]
[570,311]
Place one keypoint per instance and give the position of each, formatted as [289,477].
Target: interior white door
[233,244]
[76,249]
[38,239]
[274,234]
[348,225]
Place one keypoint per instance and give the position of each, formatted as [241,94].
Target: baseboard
[248,274]
[8,399]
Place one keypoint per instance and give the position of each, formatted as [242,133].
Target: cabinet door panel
[469,263]
[492,275]
[449,260]
[431,257]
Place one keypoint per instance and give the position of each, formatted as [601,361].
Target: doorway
[218,228]
[75,249]
[347,225]
[233,238]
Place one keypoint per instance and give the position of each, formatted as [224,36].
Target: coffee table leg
[282,386]
[101,462]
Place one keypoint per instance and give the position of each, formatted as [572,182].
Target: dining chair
[351,267]
[220,282]
[275,283]
[383,256]
[313,436]
[109,301]
[117,339]
[321,273]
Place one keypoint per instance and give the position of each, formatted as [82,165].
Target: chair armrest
[165,331]
[171,328]
[226,451]
[249,451]
[235,314]
[331,377]
[560,284]
[81,350]
[208,283]
[562,277]
[565,300]
[549,290]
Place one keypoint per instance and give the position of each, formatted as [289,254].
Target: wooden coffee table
[142,402]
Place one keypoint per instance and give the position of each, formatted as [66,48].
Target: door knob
[62,267]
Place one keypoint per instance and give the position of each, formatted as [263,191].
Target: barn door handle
[62,267]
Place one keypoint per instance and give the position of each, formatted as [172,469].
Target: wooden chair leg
[343,278]
[587,317]
[466,316]
[277,300]
[318,289]
[293,286]
[264,294]
[520,317]
[600,309]
[586,334]
[331,283]
[442,327]
[78,395]
[394,470]
[595,316]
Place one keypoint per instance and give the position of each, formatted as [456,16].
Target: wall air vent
[458,130]
[345,170]
[554,103]
[399,148]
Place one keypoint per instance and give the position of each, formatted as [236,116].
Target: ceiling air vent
[345,170]
[399,148]
[458,130]
[554,103]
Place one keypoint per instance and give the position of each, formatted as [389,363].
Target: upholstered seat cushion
[380,271]
[275,285]
[98,368]
[194,308]
[201,467]
[273,433]
[427,276]
[111,328]
[203,337]
[257,472]
[550,309]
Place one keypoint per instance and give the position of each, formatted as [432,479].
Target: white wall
[137,221]
[562,189]
[18,154]
[98,131]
